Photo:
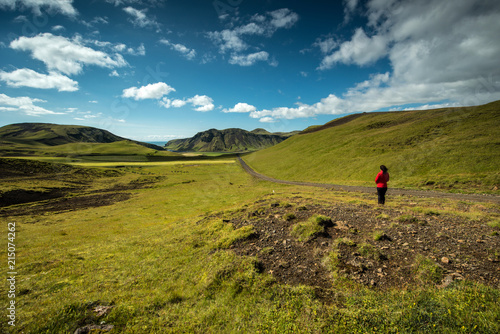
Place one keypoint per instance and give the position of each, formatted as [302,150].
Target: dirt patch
[66,204]
[375,247]
[19,196]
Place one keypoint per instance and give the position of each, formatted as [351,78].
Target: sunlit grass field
[160,260]
[452,149]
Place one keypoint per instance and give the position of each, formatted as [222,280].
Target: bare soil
[460,249]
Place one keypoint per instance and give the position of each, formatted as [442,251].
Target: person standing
[381,180]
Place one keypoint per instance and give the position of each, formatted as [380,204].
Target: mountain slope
[450,148]
[54,137]
[228,140]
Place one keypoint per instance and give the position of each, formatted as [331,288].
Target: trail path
[391,191]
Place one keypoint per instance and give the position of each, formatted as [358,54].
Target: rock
[445,260]
[406,244]
[446,282]
[324,244]
[93,328]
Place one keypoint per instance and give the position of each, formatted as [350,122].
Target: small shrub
[380,236]
[344,241]
[233,235]
[494,223]
[369,251]
[382,216]
[427,271]
[431,212]
[331,262]
[304,231]
[408,219]
[289,216]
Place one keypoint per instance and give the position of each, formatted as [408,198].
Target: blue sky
[154,70]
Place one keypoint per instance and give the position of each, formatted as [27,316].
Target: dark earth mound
[376,247]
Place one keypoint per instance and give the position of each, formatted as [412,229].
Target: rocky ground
[378,247]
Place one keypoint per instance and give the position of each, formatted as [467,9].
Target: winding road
[392,191]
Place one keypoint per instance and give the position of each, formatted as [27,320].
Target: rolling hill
[228,140]
[449,149]
[33,138]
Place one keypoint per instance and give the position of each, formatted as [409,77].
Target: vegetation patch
[311,228]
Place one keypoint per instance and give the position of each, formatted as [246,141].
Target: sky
[155,70]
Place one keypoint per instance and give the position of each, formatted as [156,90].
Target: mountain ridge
[55,134]
[228,140]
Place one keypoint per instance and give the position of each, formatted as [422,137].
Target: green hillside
[54,139]
[228,140]
[449,149]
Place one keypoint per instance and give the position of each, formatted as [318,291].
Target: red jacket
[382,179]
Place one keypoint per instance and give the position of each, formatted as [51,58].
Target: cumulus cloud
[440,53]
[139,18]
[24,104]
[201,103]
[28,78]
[151,91]
[182,49]
[361,50]
[65,55]
[283,18]
[64,7]
[248,60]
[232,40]
[241,108]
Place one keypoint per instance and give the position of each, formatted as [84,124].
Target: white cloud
[283,18]
[267,120]
[151,91]
[64,7]
[139,18]
[248,60]
[182,49]
[441,53]
[241,108]
[28,78]
[203,102]
[58,28]
[233,39]
[200,103]
[64,55]
[361,50]
[326,45]
[24,104]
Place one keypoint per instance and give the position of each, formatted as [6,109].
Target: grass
[162,260]
[428,149]
[314,226]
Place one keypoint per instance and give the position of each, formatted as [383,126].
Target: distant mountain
[228,140]
[54,134]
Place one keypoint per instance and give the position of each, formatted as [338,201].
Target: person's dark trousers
[381,195]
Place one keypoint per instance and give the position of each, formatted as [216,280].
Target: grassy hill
[228,140]
[54,139]
[450,148]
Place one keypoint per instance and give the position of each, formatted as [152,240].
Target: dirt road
[391,191]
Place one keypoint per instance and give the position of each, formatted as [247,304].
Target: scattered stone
[479,241]
[445,260]
[94,328]
[446,282]
[102,310]
[406,244]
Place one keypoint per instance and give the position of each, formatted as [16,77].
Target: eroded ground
[377,246]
